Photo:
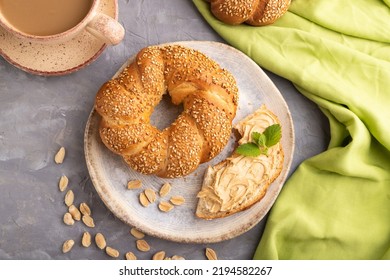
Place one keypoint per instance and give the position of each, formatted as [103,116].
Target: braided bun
[253,12]
[209,95]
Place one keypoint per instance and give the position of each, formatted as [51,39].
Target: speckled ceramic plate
[110,174]
[55,59]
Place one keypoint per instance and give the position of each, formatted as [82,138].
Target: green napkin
[336,205]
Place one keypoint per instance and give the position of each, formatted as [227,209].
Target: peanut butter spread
[239,181]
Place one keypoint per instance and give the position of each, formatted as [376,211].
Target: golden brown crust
[209,95]
[253,12]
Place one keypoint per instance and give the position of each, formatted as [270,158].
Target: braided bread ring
[253,12]
[209,95]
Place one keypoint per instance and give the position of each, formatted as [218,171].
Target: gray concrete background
[40,114]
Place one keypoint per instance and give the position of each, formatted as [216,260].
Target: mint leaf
[273,133]
[256,137]
[261,142]
[248,149]
[259,139]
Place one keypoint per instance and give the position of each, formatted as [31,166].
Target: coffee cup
[58,21]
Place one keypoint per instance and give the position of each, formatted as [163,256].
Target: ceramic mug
[99,25]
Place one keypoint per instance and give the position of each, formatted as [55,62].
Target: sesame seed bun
[209,95]
[252,12]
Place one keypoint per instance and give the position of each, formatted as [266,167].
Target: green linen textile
[336,205]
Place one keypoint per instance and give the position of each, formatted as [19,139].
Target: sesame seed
[209,95]
[253,12]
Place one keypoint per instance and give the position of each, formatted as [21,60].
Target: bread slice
[238,182]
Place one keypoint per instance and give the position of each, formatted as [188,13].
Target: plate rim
[209,239]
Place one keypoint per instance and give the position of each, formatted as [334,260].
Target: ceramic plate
[55,59]
[109,174]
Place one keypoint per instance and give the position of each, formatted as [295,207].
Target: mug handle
[106,29]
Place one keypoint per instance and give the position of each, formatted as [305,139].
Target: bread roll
[209,95]
[253,12]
